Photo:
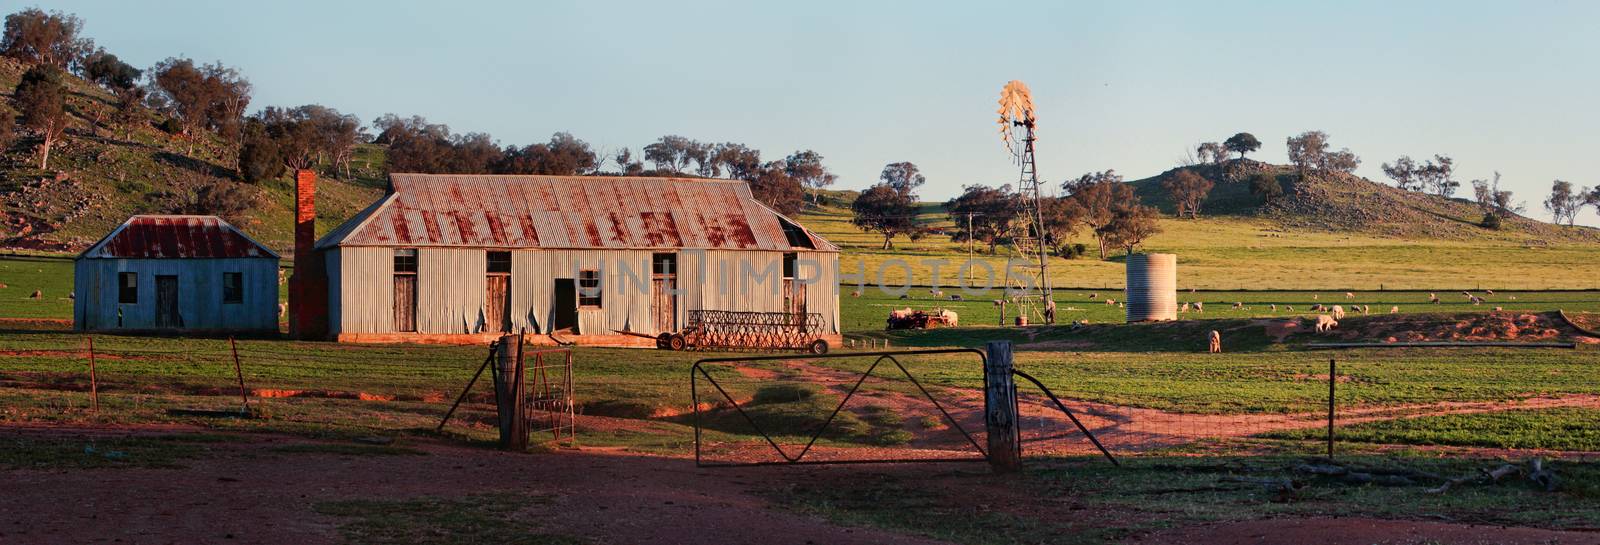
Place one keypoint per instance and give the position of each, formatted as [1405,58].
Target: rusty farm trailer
[590,259]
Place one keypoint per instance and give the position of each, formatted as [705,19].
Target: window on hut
[232,288]
[128,288]
[589,289]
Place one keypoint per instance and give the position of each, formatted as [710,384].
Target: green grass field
[1234,253]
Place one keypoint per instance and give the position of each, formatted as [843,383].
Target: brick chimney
[308,288]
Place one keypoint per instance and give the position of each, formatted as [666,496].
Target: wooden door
[497,304]
[565,305]
[405,302]
[664,303]
[167,315]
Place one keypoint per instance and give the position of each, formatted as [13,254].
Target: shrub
[1491,220]
[172,126]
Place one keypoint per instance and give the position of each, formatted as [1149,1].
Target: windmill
[1017,123]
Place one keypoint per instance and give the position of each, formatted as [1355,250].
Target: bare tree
[35,37]
[1564,201]
[1212,152]
[1188,190]
[41,98]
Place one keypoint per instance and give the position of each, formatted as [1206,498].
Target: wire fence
[1223,409]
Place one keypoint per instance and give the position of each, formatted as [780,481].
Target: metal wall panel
[200,303]
[450,290]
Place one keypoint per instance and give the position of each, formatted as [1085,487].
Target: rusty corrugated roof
[584,212]
[177,237]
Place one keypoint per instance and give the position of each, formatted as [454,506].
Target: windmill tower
[1030,287]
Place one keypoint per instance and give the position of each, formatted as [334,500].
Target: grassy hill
[98,176]
[1338,232]
[1340,202]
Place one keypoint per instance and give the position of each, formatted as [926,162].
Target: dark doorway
[167,302]
[566,305]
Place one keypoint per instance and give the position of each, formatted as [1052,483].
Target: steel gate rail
[698,371]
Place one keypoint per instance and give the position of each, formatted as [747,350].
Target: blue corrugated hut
[196,274]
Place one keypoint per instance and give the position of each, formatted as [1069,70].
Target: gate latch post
[1000,409]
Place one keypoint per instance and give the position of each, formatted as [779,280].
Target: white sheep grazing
[1094,296]
[1394,310]
[1110,301]
[1513,297]
[1183,308]
[1199,306]
[950,317]
[1237,306]
[1274,307]
[1315,297]
[1338,312]
[855,293]
[1498,309]
[1348,295]
[1326,323]
[1290,308]
[1490,292]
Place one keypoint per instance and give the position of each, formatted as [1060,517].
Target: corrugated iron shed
[570,212]
[177,237]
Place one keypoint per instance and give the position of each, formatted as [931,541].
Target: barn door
[663,294]
[497,303]
[167,302]
[405,302]
[566,305]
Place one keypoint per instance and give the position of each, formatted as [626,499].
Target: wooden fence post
[1333,377]
[1000,409]
[94,380]
[238,371]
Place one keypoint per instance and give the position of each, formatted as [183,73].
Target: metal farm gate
[999,410]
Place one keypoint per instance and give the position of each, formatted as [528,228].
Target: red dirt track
[246,493]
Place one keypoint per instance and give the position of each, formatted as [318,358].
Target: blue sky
[1129,86]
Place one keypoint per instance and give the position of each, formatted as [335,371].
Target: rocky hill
[1349,203]
[99,175]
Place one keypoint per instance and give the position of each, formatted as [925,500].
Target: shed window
[789,264]
[499,262]
[232,288]
[405,261]
[589,289]
[128,288]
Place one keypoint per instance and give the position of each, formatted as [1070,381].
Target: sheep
[936,293]
[855,293]
[1094,296]
[1199,306]
[1110,301]
[1326,323]
[1394,310]
[1316,308]
[1274,307]
[1490,292]
[1238,305]
[950,317]
[956,297]
[1338,312]
[1215,343]
[1513,297]
[1119,305]
[1348,295]
[1183,308]
[1498,309]
[1477,300]
[1314,297]
[904,296]
[37,295]
[1433,298]
[1289,308]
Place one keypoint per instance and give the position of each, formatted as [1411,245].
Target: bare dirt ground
[247,492]
[1361,531]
